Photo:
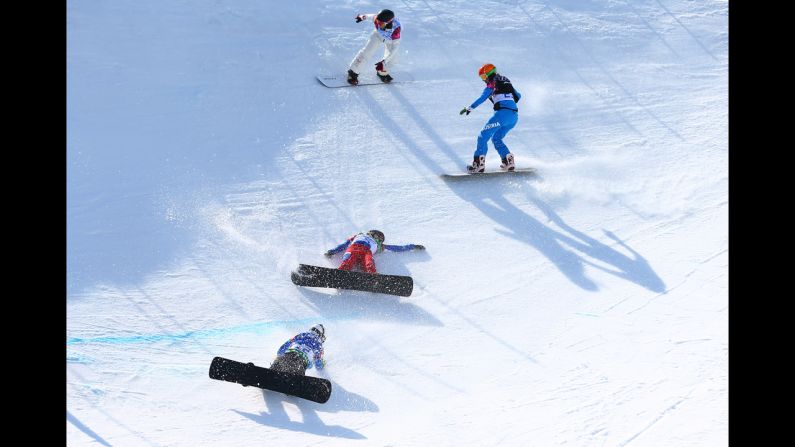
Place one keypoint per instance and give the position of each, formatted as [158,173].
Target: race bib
[503,97]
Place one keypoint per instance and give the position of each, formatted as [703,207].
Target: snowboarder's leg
[361,253]
[354,257]
[348,260]
[479,157]
[369,264]
[507,120]
[391,54]
[491,127]
[365,53]
[389,60]
[291,362]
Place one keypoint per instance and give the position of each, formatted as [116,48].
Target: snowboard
[247,374]
[314,276]
[515,172]
[341,80]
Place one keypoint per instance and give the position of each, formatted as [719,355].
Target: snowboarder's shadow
[632,267]
[82,427]
[520,225]
[277,416]
[568,249]
[344,400]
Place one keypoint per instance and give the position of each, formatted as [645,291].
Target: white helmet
[320,331]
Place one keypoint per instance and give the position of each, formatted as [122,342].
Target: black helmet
[377,235]
[385,16]
[320,331]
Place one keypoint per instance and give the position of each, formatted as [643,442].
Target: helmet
[486,70]
[385,16]
[320,331]
[377,235]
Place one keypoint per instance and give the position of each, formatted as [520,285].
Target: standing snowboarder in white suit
[387,30]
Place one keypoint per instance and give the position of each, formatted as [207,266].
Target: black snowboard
[247,374]
[314,276]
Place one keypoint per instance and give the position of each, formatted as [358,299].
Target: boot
[507,163]
[478,165]
[385,78]
[353,78]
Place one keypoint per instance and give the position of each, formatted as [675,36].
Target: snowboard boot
[385,78]
[507,163]
[353,78]
[478,165]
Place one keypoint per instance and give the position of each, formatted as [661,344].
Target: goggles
[485,76]
[383,25]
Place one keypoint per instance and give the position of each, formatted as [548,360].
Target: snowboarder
[294,355]
[387,30]
[504,96]
[362,246]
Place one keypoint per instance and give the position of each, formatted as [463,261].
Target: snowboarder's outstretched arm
[339,247]
[363,17]
[484,96]
[408,247]
[284,347]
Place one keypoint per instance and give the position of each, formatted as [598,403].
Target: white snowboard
[515,172]
[341,80]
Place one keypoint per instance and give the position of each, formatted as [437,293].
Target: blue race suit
[501,92]
[307,346]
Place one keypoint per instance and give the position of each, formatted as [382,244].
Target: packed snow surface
[584,306]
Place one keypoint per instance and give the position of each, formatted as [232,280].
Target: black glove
[359,18]
[466,110]
[328,253]
[419,247]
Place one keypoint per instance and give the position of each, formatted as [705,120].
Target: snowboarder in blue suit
[299,353]
[502,93]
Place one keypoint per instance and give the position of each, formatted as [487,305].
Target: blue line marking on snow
[76,357]
[257,328]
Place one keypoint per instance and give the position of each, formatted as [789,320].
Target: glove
[328,254]
[419,247]
[359,18]
[380,67]
[466,110]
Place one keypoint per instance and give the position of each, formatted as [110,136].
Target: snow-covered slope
[586,306]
